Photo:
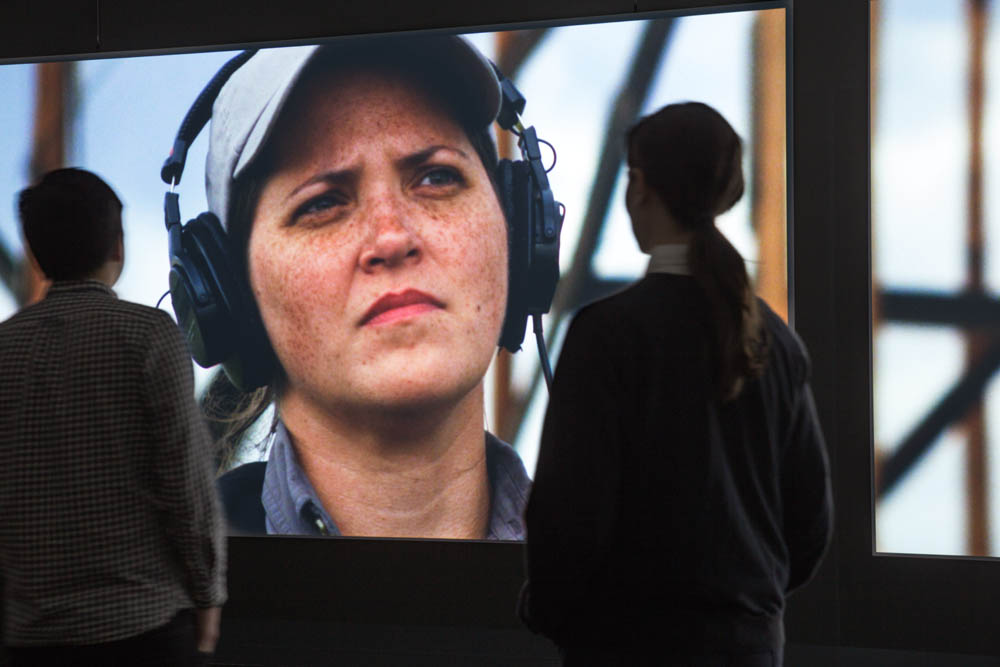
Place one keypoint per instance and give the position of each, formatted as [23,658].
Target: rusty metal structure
[768,214]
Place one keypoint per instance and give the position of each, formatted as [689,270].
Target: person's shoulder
[602,322]
[125,315]
[27,314]
[642,290]
[240,493]
[112,313]
[646,302]
[12,322]
[154,317]
[147,325]
[601,313]
[785,345]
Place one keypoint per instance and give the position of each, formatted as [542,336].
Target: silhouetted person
[111,541]
[682,488]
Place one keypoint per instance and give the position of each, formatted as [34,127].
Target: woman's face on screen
[378,251]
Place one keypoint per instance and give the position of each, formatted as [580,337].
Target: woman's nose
[392,241]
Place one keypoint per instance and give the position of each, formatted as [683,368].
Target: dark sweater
[657,513]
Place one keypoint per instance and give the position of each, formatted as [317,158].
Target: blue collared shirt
[292,506]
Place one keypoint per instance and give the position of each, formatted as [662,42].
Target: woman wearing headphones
[682,487]
[355,185]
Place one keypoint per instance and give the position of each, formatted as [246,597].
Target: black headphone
[217,313]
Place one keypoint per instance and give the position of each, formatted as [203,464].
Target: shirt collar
[509,487]
[59,287]
[669,258]
[292,506]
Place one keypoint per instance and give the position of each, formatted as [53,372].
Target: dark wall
[32,30]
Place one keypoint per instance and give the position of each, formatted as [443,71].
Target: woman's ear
[636,191]
[637,183]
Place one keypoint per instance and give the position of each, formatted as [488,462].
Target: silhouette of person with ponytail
[682,488]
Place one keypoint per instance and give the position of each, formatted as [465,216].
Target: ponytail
[739,342]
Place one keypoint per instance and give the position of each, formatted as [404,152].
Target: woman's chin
[415,384]
[412,390]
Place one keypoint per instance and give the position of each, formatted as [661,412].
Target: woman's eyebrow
[421,156]
[345,177]
[349,176]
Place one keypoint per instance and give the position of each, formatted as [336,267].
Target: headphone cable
[543,355]
[162,298]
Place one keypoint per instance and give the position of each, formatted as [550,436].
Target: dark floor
[300,644]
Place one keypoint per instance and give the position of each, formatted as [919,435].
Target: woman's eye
[318,205]
[441,177]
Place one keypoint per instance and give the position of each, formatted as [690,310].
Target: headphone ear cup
[514,183]
[202,308]
[504,179]
[215,309]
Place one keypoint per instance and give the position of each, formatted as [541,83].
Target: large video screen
[364,230]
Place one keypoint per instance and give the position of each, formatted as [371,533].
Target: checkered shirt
[109,521]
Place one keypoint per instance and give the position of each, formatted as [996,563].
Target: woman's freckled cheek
[289,287]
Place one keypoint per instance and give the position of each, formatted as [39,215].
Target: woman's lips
[393,306]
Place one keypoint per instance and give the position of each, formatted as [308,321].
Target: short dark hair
[71,220]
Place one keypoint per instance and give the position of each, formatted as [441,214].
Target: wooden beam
[53,83]
[768,171]
[976,469]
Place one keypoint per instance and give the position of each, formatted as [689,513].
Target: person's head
[367,224]
[686,159]
[72,224]
[685,168]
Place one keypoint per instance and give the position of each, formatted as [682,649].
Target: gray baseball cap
[248,106]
